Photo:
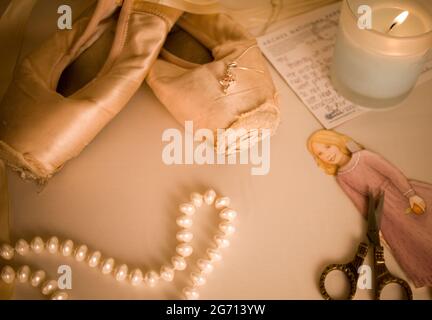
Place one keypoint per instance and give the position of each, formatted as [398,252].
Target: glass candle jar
[377,63]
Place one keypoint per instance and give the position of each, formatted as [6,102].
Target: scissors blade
[374,213]
[378,211]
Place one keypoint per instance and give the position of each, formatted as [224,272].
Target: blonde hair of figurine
[328,137]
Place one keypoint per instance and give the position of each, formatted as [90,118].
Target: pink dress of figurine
[406,222]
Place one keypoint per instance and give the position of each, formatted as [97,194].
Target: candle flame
[398,20]
[401,18]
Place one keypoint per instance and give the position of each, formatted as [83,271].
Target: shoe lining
[184,46]
[86,67]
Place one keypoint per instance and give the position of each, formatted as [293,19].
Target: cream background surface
[118,196]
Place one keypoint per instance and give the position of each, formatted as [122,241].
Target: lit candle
[400,19]
[377,67]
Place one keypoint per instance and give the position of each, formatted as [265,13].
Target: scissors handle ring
[350,272]
[388,279]
[349,269]
[384,277]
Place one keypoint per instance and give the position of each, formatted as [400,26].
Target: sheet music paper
[302,51]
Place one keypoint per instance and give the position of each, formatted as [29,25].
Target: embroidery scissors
[382,276]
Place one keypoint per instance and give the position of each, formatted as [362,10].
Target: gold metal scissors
[382,276]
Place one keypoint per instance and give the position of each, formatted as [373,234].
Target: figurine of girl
[406,222]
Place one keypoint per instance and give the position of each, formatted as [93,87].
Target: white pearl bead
[94,259]
[37,245]
[196,199]
[37,278]
[187,208]
[60,295]
[151,278]
[222,202]
[198,279]
[179,263]
[8,274]
[53,245]
[227,228]
[209,196]
[81,253]
[205,266]
[22,247]
[67,248]
[136,277]
[121,273]
[191,293]
[108,266]
[184,250]
[214,255]
[7,252]
[49,287]
[221,241]
[23,274]
[184,236]
[228,214]
[167,273]
[184,221]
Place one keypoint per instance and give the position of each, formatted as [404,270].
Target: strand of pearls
[122,272]
[36,279]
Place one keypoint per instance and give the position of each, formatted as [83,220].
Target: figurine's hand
[415,202]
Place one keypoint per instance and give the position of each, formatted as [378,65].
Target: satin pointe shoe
[44,120]
[212,72]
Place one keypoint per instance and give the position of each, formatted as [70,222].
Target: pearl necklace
[107,266]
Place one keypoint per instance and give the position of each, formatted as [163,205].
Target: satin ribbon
[5,290]
[193,6]
[13,24]
[12,28]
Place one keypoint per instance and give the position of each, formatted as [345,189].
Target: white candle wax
[379,67]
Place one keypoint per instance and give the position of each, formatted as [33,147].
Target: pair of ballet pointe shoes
[203,68]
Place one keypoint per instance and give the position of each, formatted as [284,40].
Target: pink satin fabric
[40,129]
[192,92]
